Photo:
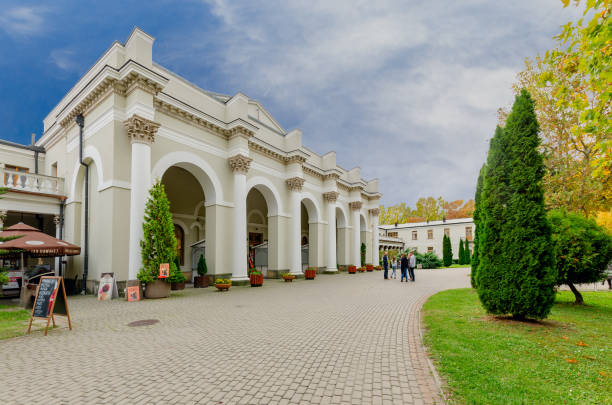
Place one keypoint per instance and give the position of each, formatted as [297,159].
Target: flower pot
[157,289]
[200,282]
[361,269]
[310,274]
[177,286]
[352,269]
[223,286]
[369,267]
[288,278]
[256,280]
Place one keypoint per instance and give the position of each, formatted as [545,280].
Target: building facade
[427,236]
[234,177]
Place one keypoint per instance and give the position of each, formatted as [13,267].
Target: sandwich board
[50,299]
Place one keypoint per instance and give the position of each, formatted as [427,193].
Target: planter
[352,269]
[369,267]
[157,289]
[200,282]
[177,286]
[310,274]
[256,280]
[288,278]
[378,268]
[361,269]
[223,286]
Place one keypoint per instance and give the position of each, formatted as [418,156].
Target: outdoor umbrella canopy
[33,243]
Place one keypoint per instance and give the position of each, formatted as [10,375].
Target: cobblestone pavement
[340,339]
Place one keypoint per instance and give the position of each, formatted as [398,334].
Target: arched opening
[257,230]
[188,214]
[363,244]
[309,233]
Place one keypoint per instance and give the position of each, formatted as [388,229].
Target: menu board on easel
[50,299]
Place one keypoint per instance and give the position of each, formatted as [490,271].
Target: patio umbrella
[33,243]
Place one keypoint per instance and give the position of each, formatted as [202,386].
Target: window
[430,234]
[468,233]
[415,235]
[447,232]
[180,243]
[429,249]
[393,234]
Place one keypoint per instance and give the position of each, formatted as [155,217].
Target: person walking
[386,265]
[411,265]
[404,267]
[394,268]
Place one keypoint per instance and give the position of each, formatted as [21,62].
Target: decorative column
[3,215]
[142,134]
[295,185]
[374,215]
[56,221]
[356,257]
[331,198]
[240,165]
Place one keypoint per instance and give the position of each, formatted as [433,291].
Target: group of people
[406,263]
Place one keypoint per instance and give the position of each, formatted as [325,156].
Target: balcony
[31,182]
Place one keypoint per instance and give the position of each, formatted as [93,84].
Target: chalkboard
[44,299]
[50,299]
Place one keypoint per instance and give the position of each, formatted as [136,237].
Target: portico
[235,178]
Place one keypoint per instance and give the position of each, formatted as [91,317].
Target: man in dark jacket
[386,265]
[404,266]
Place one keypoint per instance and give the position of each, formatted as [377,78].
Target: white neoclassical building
[234,177]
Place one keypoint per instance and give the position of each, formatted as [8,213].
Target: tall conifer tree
[159,243]
[447,252]
[516,273]
[477,224]
[461,253]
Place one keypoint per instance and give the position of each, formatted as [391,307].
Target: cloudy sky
[407,90]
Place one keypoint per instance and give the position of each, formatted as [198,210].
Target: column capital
[56,220]
[355,205]
[240,163]
[141,130]
[374,211]
[331,196]
[295,183]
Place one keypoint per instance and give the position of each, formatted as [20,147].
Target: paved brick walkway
[335,340]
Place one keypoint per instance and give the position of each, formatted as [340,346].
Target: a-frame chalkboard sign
[50,299]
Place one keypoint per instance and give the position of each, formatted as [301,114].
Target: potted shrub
[158,244]
[177,278]
[288,277]
[352,269]
[378,268]
[310,273]
[223,284]
[201,281]
[256,278]
[361,269]
[369,267]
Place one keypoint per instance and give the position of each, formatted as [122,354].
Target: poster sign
[108,287]
[50,299]
[133,293]
[164,270]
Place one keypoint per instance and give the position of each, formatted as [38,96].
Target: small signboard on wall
[164,270]
[108,287]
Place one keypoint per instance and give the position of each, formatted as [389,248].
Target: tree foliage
[159,243]
[516,273]
[202,268]
[427,209]
[477,224]
[461,253]
[363,254]
[582,249]
[584,57]
[447,251]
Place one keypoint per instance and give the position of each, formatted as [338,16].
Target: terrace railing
[31,182]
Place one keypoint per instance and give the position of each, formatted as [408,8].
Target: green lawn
[457,266]
[13,321]
[566,359]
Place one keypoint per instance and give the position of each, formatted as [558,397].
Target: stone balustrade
[31,182]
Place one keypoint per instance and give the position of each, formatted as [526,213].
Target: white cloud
[64,59]
[23,21]
[406,90]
